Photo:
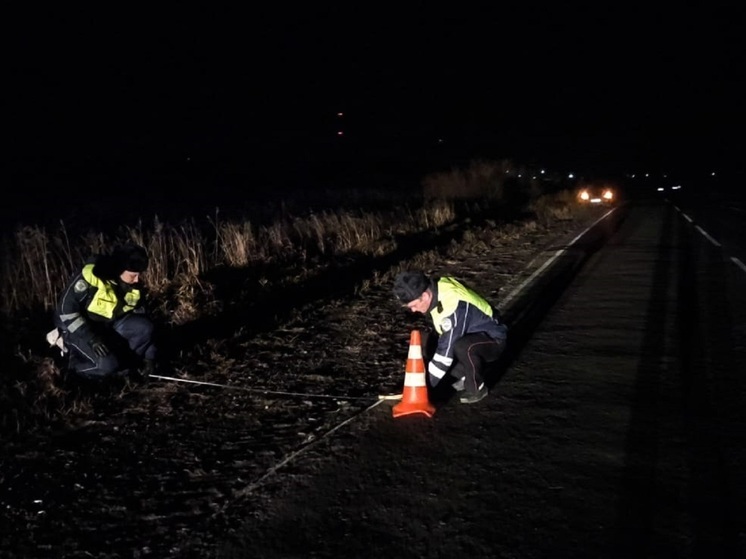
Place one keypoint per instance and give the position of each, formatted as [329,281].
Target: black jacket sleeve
[70,315]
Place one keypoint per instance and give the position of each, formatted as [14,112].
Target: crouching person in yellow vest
[470,334]
[101,318]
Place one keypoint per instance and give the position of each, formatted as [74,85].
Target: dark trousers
[471,353]
[130,341]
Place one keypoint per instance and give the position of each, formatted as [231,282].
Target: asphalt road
[719,215]
[615,427]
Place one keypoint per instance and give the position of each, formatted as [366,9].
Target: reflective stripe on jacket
[88,301]
[457,311]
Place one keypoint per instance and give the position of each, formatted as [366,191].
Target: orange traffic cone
[414,397]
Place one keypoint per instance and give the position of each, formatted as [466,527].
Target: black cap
[409,286]
[130,257]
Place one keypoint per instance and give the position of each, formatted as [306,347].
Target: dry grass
[559,206]
[38,262]
[481,179]
[41,261]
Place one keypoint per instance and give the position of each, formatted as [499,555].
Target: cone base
[406,408]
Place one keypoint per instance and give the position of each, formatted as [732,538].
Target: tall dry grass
[37,262]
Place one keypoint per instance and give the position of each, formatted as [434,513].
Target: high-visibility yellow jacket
[90,302]
[456,311]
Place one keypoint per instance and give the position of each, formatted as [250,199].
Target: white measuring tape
[278,392]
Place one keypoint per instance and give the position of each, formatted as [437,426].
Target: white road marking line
[707,236]
[267,392]
[504,303]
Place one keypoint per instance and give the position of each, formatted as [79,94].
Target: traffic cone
[414,397]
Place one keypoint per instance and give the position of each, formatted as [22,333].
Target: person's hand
[99,347]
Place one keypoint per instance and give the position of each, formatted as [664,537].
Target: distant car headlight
[585,196]
[608,195]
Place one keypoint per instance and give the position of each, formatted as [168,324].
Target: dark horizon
[613,92]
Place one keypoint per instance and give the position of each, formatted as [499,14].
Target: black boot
[148,367]
[143,372]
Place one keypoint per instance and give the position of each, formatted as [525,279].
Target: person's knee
[134,326]
[104,367]
[146,328]
[109,366]
[499,350]
[140,327]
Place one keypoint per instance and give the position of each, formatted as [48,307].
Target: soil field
[182,466]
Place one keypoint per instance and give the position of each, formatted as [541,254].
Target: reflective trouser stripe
[433,369]
[75,325]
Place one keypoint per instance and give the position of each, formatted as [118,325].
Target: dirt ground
[192,464]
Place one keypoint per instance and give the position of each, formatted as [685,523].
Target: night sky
[608,89]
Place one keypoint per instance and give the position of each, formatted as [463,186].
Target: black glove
[99,347]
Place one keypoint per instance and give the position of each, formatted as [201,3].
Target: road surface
[616,426]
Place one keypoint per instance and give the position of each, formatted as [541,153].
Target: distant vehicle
[671,188]
[597,194]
